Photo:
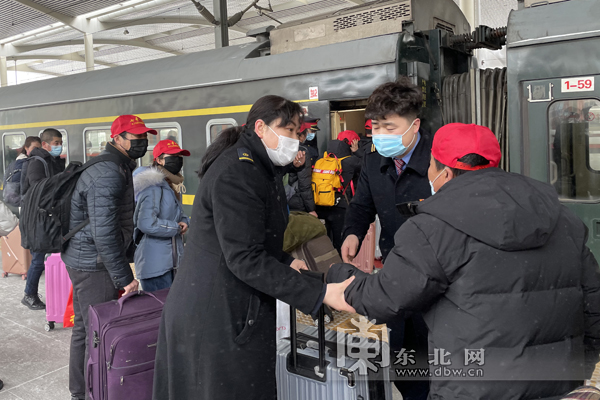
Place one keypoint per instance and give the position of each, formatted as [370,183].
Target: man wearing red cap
[365,144]
[96,257]
[501,271]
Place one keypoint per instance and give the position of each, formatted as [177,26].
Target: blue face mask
[56,150]
[432,182]
[310,136]
[391,145]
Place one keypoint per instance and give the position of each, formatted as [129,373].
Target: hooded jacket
[494,262]
[156,217]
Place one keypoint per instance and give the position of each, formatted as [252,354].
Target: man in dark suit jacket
[396,173]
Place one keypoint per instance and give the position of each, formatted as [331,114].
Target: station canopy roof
[45,38]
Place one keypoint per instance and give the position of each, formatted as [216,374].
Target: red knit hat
[454,141]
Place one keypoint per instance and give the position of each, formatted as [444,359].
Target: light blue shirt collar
[407,156]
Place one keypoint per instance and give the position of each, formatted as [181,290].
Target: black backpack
[14,176]
[46,209]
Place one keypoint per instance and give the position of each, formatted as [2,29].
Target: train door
[562,143]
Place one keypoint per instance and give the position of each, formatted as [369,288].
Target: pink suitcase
[58,285]
[366,256]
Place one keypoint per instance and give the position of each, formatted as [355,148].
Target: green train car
[553,58]
[544,107]
[194,97]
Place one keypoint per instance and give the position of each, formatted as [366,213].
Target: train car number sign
[585,84]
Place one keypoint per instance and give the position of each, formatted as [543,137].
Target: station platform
[34,363]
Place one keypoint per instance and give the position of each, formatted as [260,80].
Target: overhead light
[125,32]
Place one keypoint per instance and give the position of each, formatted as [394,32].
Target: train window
[95,141]
[165,131]
[216,126]
[574,134]
[11,142]
[65,146]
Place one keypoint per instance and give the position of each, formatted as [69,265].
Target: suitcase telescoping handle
[128,296]
[319,371]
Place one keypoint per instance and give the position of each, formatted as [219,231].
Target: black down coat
[104,193]
[495,262]
[303,198]
[217,335]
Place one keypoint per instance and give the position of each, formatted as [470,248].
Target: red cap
[168,147]
[368,125]
[131,124]
[306,125]
[350,135]
[454,141]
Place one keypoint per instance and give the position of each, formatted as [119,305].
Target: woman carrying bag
[159,219]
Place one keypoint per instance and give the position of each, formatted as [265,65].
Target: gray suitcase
[312,366]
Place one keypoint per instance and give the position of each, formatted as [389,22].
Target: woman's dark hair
[268,108]
[472,160]
[155,163]
[401,97]
[28,142]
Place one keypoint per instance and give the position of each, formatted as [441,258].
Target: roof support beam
[78,23]
[221,30]
[88,43]
[71,57]
[25,68]
[3,72]
[9,50]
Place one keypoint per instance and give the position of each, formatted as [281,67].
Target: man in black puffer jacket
[96,256]
[501,271]
[35,171]
[300,182]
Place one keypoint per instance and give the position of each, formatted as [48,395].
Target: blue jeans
[35,272]
[158,282]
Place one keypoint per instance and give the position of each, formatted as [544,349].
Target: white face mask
[432,182]
[285,152]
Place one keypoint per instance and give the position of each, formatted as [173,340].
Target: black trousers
[334,222]
[89,288]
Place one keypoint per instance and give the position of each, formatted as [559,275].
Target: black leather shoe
[76,398]
[33,302]
[1,385]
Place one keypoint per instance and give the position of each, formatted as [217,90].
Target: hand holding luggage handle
[123,299]
[298,363]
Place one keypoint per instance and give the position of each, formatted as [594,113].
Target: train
[330,64]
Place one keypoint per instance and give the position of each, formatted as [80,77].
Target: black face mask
[173,164]
[138,148]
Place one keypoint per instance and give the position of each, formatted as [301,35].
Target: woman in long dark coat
[217,336]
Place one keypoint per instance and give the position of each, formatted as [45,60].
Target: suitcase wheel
[5,274]
[49,326]
[23,277]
